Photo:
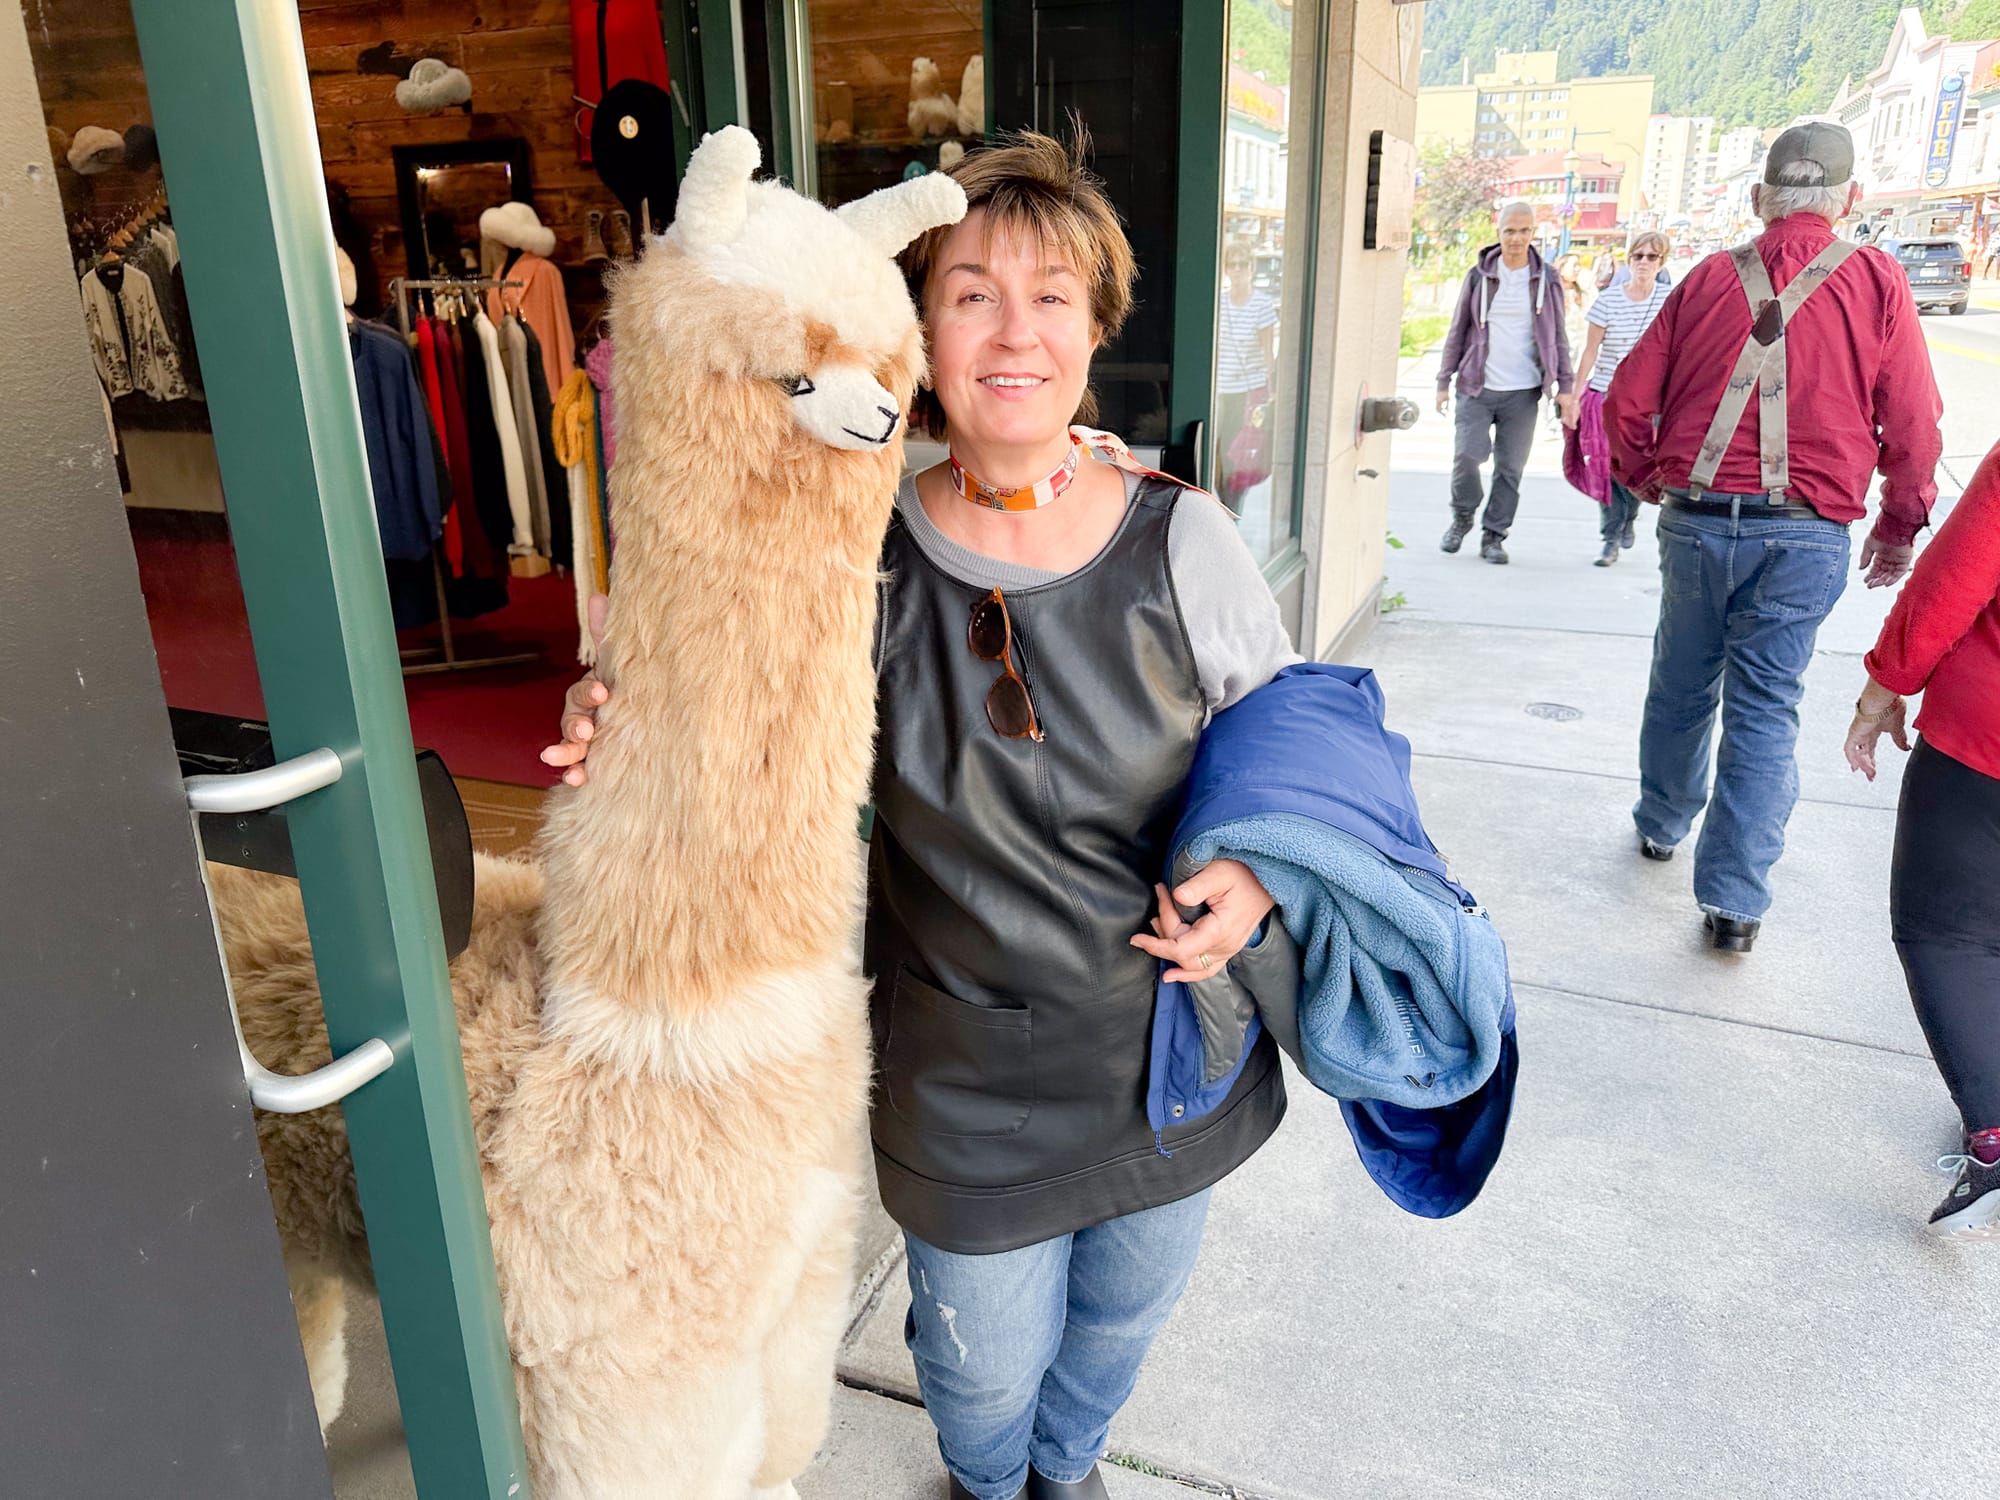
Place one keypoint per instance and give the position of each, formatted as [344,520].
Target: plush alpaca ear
[715,194]
[889,218]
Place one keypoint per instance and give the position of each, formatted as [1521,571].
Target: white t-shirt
[1623,321]
[1511,361]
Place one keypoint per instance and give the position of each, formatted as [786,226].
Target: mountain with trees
[1746,62]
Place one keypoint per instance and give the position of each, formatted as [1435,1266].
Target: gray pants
[1499,425]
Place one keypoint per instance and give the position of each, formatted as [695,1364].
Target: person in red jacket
[1942,639]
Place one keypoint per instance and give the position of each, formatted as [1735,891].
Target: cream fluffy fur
[662,1019]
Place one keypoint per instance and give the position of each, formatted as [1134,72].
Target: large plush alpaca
[662,1019]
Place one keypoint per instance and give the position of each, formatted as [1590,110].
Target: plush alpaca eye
[796,385]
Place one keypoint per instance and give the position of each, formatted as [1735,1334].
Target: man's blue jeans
[1025,1356]
[1740,605]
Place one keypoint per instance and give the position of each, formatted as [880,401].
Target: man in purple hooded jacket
[1507,347]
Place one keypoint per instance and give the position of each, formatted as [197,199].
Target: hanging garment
[598,362]
[450,539]
[514,341]
[515,473]
[396,427]
[541,301]
[102,323]
[575,428]
[158,256]
[610,41]
[155,361]
[476,559]
[489,470]
[555,482]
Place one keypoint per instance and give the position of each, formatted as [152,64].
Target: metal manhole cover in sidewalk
[1560,713]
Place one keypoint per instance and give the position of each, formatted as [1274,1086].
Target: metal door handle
[254,791]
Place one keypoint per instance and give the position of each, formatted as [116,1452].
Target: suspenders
[1761,366]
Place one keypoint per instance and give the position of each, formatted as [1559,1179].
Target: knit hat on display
[95,149]
[516,226]
[1828,147]
[433,84]
[350,285]
[142,148]
[59,145]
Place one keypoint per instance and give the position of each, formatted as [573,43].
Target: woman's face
[1011,338]
[1237,267]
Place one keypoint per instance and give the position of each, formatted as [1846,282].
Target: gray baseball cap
[1828,147]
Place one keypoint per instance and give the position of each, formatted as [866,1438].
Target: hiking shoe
[1455,533]
[1625,537]
[593,237]
[1490,549]
[1610,553]
[1971,1210]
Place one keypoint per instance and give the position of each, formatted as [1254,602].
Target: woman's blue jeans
[1740,606]
[1025,1356]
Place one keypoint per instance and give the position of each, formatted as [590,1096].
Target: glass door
[1264,294]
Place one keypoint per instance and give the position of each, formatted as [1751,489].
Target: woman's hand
[1878,712]
[1237,904]
[1572,412]
[580,705]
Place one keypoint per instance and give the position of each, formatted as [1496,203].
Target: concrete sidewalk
[1698,1270]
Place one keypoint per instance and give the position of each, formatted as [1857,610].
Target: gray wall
[146,1339]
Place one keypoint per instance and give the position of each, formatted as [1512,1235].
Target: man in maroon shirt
[1759,484]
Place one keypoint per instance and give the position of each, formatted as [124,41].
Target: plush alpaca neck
[715,844]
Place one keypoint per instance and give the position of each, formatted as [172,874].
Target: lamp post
[1570,162]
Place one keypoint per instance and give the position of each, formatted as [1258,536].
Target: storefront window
[1260,302]
[892,93]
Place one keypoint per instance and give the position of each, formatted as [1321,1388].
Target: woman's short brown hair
[1038,187]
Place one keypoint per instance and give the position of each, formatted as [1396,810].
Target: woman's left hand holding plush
[1237,905]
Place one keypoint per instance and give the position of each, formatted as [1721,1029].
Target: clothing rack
[447,659]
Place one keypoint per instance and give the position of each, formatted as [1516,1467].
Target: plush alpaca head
[767,323]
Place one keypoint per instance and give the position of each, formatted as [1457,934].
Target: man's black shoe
[1455,533]
[1654,850]
[1090,1487]
[1729,934]
[1625,537]
[1491,550]
[960,1492]
[1610,553]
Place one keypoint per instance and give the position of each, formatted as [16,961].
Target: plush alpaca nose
[846,407]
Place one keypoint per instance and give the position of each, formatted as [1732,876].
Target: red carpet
[487,723]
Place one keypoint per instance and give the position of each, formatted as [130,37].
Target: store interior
[486,168]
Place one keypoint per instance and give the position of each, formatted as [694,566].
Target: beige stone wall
[1371,83]
[1618,108]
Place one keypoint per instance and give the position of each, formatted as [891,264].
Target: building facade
[1567,190]
[1921,146]
[1679,165]
[1524,107]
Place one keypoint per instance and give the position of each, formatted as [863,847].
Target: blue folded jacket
[1396,999]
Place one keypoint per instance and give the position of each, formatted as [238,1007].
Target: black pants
[1944,914]
[1499,425]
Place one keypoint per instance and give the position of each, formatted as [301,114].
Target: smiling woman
[1057,626]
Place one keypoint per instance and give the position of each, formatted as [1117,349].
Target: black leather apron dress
[1011,1015]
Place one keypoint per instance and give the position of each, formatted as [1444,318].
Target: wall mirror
[444,188]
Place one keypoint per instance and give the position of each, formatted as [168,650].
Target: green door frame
[1198,232]
[233,108]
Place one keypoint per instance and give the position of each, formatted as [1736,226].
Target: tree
[1455,191]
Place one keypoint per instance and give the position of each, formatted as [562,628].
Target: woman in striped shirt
[1617,319]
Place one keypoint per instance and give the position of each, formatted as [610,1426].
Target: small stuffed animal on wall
[932,111]
[972,97]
